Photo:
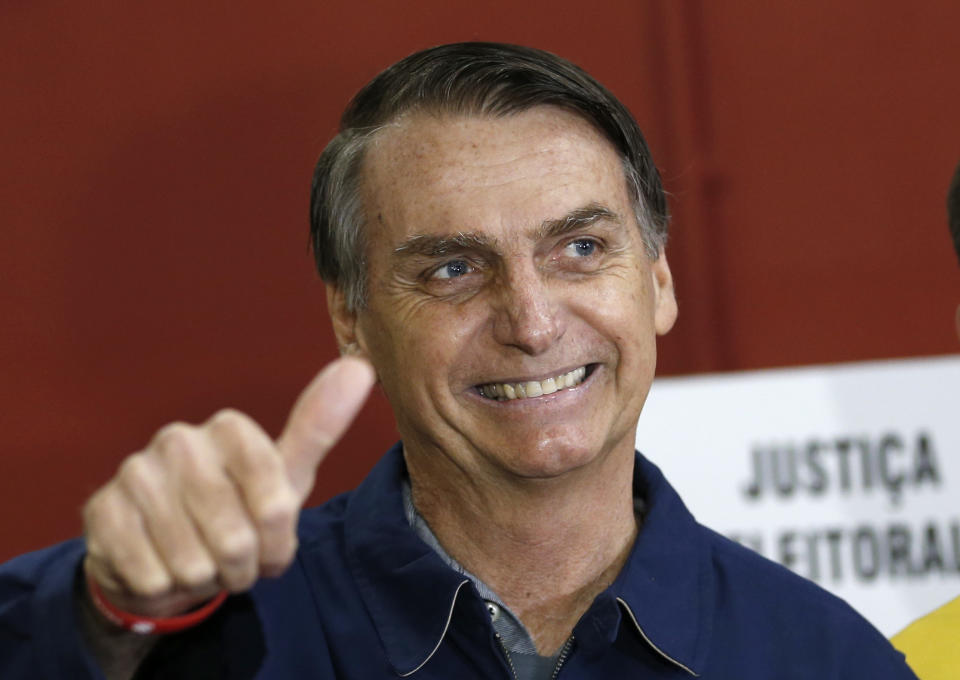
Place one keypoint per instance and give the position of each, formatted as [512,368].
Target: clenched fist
[214,506]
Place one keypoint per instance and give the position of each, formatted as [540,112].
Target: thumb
[321,415]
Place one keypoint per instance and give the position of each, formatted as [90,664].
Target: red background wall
[156,160]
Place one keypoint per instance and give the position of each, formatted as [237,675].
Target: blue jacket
[367,599]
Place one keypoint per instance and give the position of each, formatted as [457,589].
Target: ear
[665,303]
[344,322]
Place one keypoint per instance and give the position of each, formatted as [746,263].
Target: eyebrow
[577,219]
[437,246]
[430,245]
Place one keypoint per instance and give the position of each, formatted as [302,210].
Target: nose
[527,316]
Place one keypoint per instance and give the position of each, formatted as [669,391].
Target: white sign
[848,474]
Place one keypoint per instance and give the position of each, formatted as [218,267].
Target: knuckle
[278,513]
[322,439]
[148,584]
[279,557]
[195,573]
[239,581]
[248,452]
[135,471]
[175,437]
[240,573]
[255,464]
[237,546]
[227,420]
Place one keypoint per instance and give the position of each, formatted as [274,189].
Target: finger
[175,538]
[120,555]
[252,460]
[320,417]
[213,503]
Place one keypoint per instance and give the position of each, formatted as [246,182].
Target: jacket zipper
[506,654]
[564,651]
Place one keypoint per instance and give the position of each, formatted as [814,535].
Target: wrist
[148,625]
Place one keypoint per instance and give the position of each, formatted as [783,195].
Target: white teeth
[533,388]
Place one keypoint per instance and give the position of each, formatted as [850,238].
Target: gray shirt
[516,640]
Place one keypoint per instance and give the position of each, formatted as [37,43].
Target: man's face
[504,259]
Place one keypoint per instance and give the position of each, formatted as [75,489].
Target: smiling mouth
[535,388]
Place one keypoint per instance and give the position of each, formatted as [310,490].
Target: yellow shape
[932,643]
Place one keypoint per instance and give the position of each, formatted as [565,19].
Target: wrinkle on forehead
[444,175]
[452,151]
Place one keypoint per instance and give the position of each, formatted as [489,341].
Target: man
[932,643]
[491,230]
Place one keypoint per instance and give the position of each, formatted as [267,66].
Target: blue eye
[582,247]
[452,269]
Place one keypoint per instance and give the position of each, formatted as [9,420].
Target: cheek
[449,341]
[623,305]
[421,344]
[621,314]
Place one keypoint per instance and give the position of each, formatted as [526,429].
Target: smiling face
[512,308]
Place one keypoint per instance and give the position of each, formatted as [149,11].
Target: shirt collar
[665,585]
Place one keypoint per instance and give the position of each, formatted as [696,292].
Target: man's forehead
[421,135]
[428,164]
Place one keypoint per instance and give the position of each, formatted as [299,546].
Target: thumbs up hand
[215,506]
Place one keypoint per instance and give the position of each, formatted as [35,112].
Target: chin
[552,458]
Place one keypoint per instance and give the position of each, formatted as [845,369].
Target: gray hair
[465,79]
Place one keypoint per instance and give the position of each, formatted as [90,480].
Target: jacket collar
[664,590]
[408,590]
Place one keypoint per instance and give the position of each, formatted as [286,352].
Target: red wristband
[146,625]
